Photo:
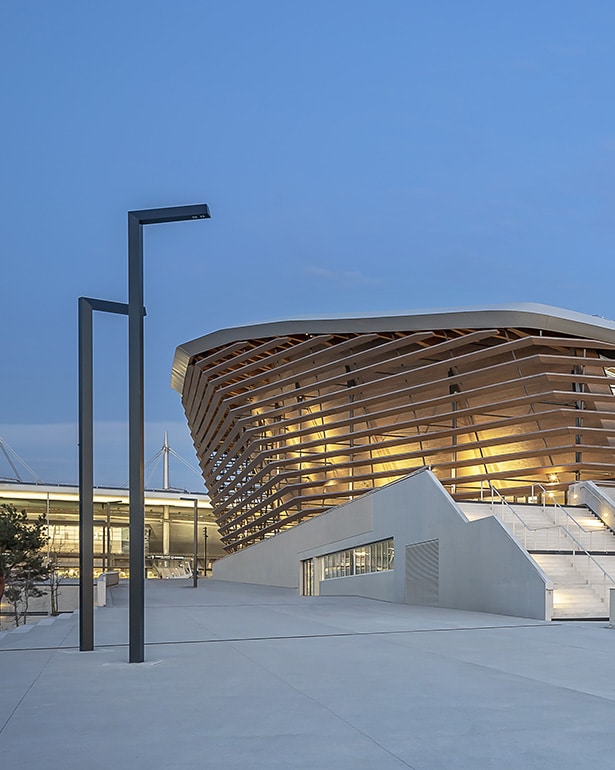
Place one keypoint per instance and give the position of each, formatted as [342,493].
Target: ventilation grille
[423,574]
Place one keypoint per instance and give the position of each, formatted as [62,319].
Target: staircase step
[579,590]
[47,632]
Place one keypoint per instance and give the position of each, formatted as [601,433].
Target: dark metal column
[136,220]
[136,595]
[195,576]
[205,549]
[107,548]
[86,479]
[86,464]
[135,311]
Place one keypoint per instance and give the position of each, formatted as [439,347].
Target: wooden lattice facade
[291,419]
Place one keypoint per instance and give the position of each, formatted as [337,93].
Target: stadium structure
[297,422]
[169,519]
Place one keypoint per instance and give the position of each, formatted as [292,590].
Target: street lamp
[205,548]
[87,306]
[195,544]
[136,596]
[107,549]
[135,311]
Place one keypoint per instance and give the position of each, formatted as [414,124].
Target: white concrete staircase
[573,596]
[557,538]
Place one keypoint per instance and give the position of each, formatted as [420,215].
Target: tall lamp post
[195,541]
[136,595]
[135,312]
[205,548]
[107,546]
[87,306]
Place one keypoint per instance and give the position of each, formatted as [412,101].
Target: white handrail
[567,514]
[526,527]
[567,533]
[556,505]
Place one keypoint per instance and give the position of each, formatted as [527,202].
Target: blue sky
[358,157]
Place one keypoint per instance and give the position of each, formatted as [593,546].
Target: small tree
[22,561]
[25,584]
[55,579]
[55,545]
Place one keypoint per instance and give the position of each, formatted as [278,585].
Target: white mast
[165,461]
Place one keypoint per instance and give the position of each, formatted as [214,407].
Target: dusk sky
[358,158]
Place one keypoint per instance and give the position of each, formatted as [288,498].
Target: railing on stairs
[570,521]
[594,568]
[601,504]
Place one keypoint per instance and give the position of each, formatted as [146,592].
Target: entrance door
[307,577]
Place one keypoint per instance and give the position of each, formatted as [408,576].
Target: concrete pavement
[240,676]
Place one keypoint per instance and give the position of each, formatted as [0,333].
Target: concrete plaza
[242,676]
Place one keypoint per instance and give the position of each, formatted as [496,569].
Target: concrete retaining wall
[481,567]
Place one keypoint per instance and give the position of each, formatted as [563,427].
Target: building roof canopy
[519,315]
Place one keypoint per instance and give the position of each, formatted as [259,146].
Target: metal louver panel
[423,574]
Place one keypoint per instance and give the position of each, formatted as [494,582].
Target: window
[364,559]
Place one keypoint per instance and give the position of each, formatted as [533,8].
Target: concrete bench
[112,577]
[105,580]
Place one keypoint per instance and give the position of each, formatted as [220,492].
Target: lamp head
[171,214]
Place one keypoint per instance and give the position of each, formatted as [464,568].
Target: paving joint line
[34,681]
[334,714]
[340,634]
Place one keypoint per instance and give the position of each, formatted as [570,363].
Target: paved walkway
[241,676]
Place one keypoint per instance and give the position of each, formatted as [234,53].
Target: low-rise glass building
[169,526]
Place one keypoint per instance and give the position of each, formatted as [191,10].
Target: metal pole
[136,594]
[135,311]
[86,464]
[107,560]
[86,479]
[166,522]
[195,576]
[205,549]
[165,461]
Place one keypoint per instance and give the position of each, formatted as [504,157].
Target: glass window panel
[371,557]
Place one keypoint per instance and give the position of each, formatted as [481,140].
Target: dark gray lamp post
[135,311]
[107,548]
[87,306]
[205,548]
[195,540]
[136,596]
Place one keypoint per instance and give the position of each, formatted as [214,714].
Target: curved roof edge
[523,314]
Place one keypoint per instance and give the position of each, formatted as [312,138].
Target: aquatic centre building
[293,419]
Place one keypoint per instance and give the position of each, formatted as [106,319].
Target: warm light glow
[286,426]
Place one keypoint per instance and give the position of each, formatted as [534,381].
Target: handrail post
[588,570]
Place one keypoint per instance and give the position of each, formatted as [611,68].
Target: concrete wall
[275,561]
[599,499]
[481,567]
[377,585]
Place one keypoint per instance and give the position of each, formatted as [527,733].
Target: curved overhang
[520,315]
